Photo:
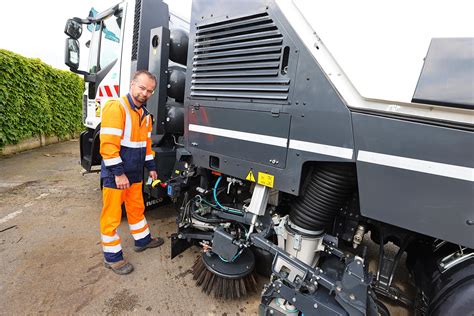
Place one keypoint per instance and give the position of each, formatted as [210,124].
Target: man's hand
[122,182]
[153,175]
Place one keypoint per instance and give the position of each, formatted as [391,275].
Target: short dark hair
[144,72]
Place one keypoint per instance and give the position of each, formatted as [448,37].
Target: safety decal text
[266,179]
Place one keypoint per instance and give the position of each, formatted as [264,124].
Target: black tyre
[453,291]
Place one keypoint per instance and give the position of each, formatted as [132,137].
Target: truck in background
[118,46]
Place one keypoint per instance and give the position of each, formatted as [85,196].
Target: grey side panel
[153,14]
[158,65]
[240,168]
[229,121]
[319,113]
[299,103]
[433,199]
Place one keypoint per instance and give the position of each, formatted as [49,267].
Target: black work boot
[121,267]
[155,242]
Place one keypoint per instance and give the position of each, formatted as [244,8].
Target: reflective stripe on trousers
[112,215]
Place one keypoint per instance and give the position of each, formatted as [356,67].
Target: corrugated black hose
[327,189]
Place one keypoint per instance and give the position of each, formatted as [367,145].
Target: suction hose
[328,187]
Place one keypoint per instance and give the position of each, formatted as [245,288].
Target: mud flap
[178,245]
[89,143]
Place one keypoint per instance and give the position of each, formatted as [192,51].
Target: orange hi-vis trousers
[112,215]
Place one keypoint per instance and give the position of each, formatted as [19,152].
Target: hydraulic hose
[327,189]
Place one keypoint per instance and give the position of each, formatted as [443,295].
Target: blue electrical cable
[228,209]
[234,257]
[231,210]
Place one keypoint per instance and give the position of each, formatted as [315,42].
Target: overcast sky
[379,44]
[36,28]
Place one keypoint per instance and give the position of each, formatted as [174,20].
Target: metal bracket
[297,242]
[259,201]
[455,258]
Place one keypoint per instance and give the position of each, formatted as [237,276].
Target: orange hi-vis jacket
[125,141]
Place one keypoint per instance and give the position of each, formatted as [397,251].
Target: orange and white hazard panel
[109,91]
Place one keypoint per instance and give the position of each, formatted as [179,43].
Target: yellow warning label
[266,179]
[97,109]
[250,176]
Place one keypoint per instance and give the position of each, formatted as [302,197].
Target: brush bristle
[223,288]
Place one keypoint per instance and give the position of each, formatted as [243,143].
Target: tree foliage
[36,98]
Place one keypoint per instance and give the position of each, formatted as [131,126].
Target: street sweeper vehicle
[118,44]
[279,167]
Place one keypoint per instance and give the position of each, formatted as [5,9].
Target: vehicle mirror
[72,53]
[73,29]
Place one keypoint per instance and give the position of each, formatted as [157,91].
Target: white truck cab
[118,46]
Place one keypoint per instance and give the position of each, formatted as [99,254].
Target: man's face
[141,89]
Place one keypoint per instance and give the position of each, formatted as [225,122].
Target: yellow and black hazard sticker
[266,179]
[97,108]
[250,176]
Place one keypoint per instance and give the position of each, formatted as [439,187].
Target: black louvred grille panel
[239,59]
[136,27]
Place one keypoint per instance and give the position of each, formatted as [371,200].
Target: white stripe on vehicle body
[322,149]
[112,161]
[111,131]
[251,137]
[424,166]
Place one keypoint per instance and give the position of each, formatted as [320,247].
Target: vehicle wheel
[453,291]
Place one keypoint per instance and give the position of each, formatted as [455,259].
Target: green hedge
[36,98]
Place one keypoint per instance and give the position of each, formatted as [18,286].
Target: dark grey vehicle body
[277,110]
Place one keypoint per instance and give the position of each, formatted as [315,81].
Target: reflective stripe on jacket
[125,141]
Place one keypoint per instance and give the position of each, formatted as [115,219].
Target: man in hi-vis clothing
[125,146]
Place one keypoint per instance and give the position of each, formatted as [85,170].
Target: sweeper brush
[228,280]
